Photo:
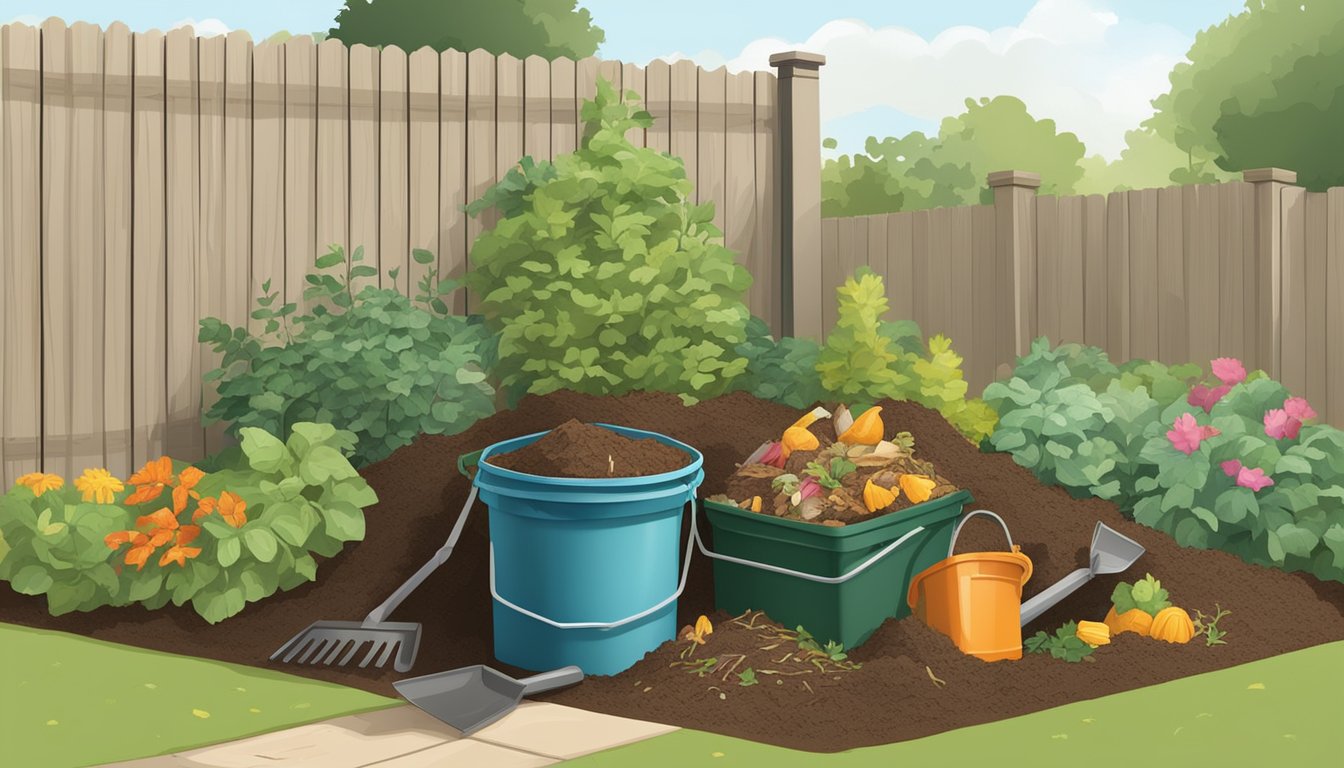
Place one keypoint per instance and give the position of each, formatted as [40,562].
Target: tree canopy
[1263,87]
[547,28]
[917,171]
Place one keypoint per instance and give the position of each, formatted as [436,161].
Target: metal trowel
[1112,552]
[471,698]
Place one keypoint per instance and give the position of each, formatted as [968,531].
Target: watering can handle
[965,518]
[685,571]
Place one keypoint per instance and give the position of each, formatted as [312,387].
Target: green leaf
[265,453]
[422,256]
[329,259]
[344,521]
[260,542]
[292,523]
[31,580]
[229,551]
[324,463]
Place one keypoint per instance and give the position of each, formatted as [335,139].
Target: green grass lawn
[67,700]
[1282,711]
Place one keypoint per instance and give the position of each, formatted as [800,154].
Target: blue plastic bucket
[585,571]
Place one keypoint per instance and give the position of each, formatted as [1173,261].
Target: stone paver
[565,732]
[467,753]
[535,734]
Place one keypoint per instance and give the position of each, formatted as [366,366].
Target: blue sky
[1092,65]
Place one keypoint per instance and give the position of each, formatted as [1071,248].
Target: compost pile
[909,681]
[575,449]
[832,470]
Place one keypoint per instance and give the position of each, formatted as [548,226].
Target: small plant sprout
[611,465]
[1207,625]
[747,677]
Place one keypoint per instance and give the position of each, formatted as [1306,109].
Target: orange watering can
[975,598]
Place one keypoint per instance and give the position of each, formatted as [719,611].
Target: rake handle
[389,605]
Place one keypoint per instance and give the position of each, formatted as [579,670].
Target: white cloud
[1074,61]
[203,27]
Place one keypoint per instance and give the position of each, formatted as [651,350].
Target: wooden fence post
[1269,185]
[1015,259]
[801,288]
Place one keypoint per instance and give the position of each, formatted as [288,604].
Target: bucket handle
[841,579]
[685,571]
[965,518]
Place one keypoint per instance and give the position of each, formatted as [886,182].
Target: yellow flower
[40,483]
[98,485]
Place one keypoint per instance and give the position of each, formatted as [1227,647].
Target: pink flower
[1205,397]
[1231,468]
[1280,426]
[1253,478]
[1229,370]
[1186,434]
[1297,408]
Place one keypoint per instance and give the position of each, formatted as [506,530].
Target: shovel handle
[549,681]
[389,605]
[1052,594]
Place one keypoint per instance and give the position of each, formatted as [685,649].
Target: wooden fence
[1251,269]
[149,180]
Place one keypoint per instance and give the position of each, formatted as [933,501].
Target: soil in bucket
[575,449]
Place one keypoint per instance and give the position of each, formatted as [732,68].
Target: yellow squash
[917,488]
[1093,633]
[866,429]
[1173,625]
[876,497]
[806,419]
[799,439]
[1134,620]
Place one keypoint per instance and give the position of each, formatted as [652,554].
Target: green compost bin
[851,610]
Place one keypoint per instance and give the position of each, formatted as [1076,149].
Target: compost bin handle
[685,571]
[846,576]
[957,531]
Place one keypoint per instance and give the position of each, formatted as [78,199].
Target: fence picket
[900,265]
[979,350]
[453,243]
[682,126]
[423,156]
[740,178]
[1143,274]
[766,285]
[831,243]
[959,318]
[1293,340]
[1175,224]
[394,224]
[365,201]
[212,290]
[1072,288]
[710,129]
[116,180]
[1096,297]
[537,108]
[333,147]
[149,314]
[1047,269]
[1334,310]
[1317,297]
[1203,289]
[300,165]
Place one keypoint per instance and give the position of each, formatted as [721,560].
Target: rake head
[323,641]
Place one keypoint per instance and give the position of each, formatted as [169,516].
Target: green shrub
[602,277]
[783,371]
[218,540]
[866,359]
[1270,498]
[374,362]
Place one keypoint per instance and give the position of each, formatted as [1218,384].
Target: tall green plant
[379,364]
[867,359]
[602,276]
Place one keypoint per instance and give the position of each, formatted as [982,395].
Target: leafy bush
[375,362]
[1075,419]
[1249,478]
[868,359]
[218,540]
[602,277]
[783,371]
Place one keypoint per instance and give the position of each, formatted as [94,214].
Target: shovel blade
[1112,551]
[468,699]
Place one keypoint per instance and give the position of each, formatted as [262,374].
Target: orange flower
[140,549]
[204,507]
[179,553]
[186,482]
[155,530]
[232,509]
[150,481]
[39,483]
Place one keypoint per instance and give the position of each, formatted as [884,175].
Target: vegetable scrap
[833,469]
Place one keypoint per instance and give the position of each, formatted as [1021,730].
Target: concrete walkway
[535,734]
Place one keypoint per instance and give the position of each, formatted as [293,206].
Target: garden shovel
[323,640]
[471,698]
[1112,552]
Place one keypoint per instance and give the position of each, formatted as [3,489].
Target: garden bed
[892,697]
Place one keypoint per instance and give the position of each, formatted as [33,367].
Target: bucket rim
[1015,558]
[697,461]
[961,496]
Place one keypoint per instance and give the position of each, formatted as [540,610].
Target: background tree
[915,171]
[547,28]
[1264,87]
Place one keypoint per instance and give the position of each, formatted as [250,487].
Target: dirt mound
[892,697]
[575,449]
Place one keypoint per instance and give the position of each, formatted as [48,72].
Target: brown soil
[840,506]
[575,449]
[891,698]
